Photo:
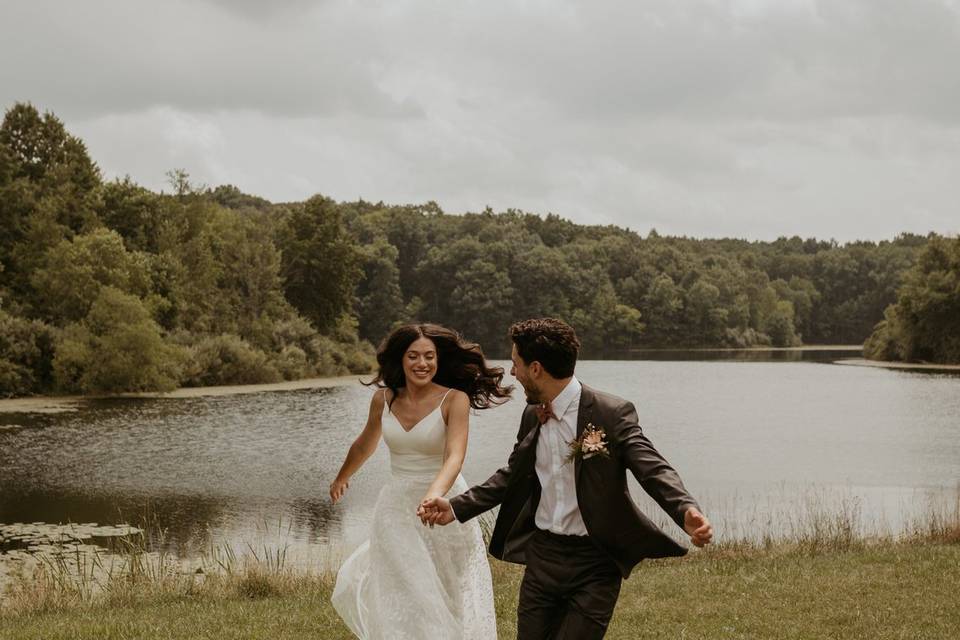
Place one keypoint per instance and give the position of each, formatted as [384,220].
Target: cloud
[750,118]
[138,55]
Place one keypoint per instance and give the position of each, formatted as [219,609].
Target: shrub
[117,347]
[26,355]
[228,359]
[292,363]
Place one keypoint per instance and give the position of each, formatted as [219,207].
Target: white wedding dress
[408,581]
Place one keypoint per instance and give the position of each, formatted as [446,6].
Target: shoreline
[60,404]
[812,347]
[906,366]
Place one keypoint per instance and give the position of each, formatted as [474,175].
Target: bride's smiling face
[420,362]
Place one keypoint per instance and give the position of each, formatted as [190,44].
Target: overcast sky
[754,119]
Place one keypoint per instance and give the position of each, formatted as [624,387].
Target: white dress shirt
[558,510]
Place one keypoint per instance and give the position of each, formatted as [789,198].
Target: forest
[108,286]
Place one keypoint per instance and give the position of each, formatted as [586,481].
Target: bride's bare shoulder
[380,397]
[456,397]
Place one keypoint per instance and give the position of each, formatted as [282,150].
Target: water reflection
[186,519]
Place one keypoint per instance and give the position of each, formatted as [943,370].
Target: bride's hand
[337,488]
[436,510]
[422,511]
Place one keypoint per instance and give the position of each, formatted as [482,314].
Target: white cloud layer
[836,118]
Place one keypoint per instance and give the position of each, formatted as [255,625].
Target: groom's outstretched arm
[651,469]
[489,494]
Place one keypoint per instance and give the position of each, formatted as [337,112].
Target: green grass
[877,590]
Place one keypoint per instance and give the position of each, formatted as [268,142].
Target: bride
[407,580]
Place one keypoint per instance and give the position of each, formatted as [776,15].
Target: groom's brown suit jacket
[612,519]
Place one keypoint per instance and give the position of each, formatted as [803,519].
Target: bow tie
[545,412]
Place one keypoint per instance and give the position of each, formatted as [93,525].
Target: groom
[565,510]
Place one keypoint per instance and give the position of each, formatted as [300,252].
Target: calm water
[760,444]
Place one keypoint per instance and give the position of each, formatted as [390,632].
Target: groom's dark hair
[551,342]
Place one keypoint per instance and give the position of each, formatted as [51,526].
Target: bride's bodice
[417,453]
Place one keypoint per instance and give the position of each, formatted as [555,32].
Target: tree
[924,323]
[54,163]
[780,325]
[544,282]
[481,301]
[663,309]
[803,295]
[179,180]
[379,300]
[26,355]
[321,265]
[134,212]
[249,286]
[49,188]
[117,347]
[75,270]
[705,316]
[605,326]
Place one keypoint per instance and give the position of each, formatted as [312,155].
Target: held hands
[697,527]
[435,510]
[337,488]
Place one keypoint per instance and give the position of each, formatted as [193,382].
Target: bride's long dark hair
[460,364]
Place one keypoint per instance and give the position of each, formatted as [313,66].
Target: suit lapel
[529,442]
[584,414]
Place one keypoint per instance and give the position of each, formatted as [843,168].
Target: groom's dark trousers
[569,589]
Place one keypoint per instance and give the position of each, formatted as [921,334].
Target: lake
[763,442]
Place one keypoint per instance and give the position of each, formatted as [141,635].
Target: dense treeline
[480,271]
[924,324]
[108,286]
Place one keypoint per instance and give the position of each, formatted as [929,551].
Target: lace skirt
[408,581]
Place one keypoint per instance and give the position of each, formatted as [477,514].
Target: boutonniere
[592,442]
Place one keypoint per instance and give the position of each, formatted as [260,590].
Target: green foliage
[74,271]
[890,340]
[216,286]
[780,326]
[379,300]
[227,359]
[134,212]
[321,263]
[664,303]
[231,197]
[46,155]
[117,347]
[26,355]
[924,323]
[49,190]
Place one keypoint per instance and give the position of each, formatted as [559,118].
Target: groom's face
[526,375]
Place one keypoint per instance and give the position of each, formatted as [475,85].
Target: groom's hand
[697,527]
[436,511]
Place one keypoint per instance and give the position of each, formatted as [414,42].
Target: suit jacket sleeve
[651,470]
[486,496]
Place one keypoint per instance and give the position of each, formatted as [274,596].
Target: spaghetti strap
[440,406]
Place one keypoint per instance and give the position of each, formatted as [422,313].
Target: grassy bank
[854,589]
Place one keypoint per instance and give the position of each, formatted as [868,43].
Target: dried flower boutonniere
[592,442]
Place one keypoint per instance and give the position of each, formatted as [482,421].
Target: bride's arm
[361,449]
[455,449]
